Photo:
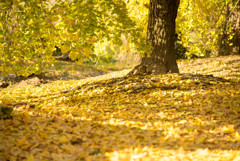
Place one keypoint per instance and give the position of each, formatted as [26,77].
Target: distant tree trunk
[161,34]
[232,19]
[236,30]
[224,48]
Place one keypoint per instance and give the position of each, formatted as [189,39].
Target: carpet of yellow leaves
[194,116]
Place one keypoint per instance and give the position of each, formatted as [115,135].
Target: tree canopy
[30,30]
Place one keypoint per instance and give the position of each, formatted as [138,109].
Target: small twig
[50,22]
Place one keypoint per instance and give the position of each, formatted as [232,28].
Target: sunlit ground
[166,117]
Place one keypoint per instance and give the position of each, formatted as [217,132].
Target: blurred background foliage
[34,34]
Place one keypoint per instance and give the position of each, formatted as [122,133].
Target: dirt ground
[60,71]
[227,67]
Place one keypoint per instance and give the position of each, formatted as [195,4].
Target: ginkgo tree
[229,41]
[202,24]
[23,30]
[161,34]
[30,30]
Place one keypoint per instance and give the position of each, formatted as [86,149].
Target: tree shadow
[98,124]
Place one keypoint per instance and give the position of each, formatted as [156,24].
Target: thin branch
[50,22]
[233,9]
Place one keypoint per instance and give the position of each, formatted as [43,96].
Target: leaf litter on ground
[194,115]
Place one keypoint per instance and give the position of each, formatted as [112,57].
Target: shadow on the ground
[178,121]
[96,139]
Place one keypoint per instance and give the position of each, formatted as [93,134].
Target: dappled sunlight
[163,117]
[150,153]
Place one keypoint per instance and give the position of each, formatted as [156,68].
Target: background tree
[161,34]
[229,37]
[224,47]
[236,30]
[202,24]
[30,30]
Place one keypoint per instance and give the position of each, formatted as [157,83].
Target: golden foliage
[164,117]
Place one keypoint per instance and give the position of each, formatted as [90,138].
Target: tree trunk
[236,30]
[161,34]
[224,47]
[232,20]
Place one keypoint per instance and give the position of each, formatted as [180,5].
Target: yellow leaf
[52,48]
[51,37]
[63,139]
[155,84]
[68,21]
[45,152]
[92,40]
[74,37]
[228,129]
[22,141]
[65,48]
[43,135]
[30,22]
[59,11]
[79,48]
[237,136]
[87,51]
[74,55]
[30,158]
[54,19]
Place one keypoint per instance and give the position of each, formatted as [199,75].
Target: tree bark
[232,19]
[161,34]
[224,47]
[236,30]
